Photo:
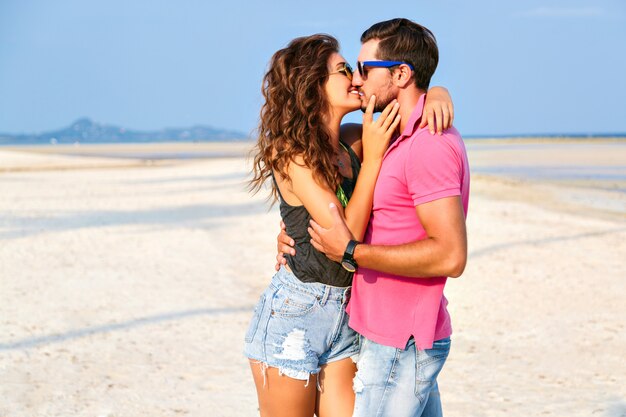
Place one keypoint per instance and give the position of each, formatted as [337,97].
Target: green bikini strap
[343,199]
[341,195]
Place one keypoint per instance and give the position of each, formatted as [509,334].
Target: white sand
[127,291]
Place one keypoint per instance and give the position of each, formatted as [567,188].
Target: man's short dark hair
[404,40]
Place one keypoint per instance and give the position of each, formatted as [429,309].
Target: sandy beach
[127,282]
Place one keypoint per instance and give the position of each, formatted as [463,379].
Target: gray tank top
[308,264]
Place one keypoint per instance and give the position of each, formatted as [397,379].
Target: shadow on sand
[33,342]
[20,227]
[539,242]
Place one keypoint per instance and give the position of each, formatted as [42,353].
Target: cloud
[559,12]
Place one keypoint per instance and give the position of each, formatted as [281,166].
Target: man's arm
[442,253]
[284,245]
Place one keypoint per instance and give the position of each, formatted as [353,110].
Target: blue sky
[523,67]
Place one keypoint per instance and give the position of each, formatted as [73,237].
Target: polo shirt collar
[411,126]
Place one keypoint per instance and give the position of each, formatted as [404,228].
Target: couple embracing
[354,323]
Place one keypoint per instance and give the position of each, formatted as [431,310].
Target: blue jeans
[393,382]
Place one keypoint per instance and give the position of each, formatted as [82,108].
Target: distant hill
[87,131]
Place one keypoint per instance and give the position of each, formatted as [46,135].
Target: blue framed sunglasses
[362,67]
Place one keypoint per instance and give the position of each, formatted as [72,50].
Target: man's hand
[284,244]
[333,241]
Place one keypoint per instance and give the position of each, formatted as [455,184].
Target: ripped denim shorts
[297,326]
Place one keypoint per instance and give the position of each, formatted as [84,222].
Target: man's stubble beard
[383,98]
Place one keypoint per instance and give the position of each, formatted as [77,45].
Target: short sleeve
[433,168]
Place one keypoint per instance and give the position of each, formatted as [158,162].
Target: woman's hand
[438,113]
[377,133]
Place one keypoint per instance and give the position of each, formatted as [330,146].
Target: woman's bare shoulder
[351,135]
[351,132]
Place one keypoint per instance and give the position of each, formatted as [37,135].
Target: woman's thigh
[282,396]
[336,397]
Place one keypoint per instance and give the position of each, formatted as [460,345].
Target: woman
[299,344]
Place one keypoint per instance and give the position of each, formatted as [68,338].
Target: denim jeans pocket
[256,318]
[429,363]
[289,302]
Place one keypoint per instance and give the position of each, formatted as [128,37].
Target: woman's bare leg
[336,398]
[281,396]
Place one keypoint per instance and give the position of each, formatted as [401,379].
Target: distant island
[85,130]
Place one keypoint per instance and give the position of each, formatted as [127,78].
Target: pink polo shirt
[417,168]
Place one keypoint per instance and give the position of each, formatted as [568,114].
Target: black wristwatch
[348,262]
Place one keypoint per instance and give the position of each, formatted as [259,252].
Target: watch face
[348,266]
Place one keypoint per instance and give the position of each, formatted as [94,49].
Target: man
[416,235]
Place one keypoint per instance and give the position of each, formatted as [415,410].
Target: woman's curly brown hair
[293,115]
